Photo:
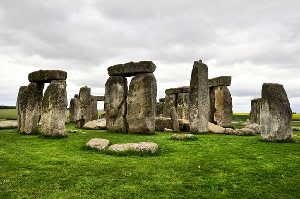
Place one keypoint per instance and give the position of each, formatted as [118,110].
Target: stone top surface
[183,89]
[219,81]
[131,68]
[46,76]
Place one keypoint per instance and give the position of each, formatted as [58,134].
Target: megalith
[54,107]
[275,113]
[255,111]
[141,103]
[115,103]
[170,101]
[199,98]
[183,105]
[74,108]
[29,104]
[174,118]
[223,106]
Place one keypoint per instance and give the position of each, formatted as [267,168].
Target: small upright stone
[255,111]
[199,98]
[29,105]
[54,109]
[141,103]
[115,103]
[275,113]
[174,117]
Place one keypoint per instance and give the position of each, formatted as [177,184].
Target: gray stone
[199,98]
[141,148]
[170,101]
[162,123]
[182,106]
[115,103]
[98,144]
[46,76]
[275,113]
[29,105]
[96,124]
[54,109]
[220,81]
[159,108]
[132,68]
[8,124]
[183,89]
[174,118]
[255,110]
[213,128]
[141,102]
[99,98]
[223,106]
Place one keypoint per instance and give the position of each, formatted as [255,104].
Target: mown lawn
[9,114]
[214,166]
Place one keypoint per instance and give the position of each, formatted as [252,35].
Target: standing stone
[141,104]
[174,117]
[85,99]
[183,105]
[72,110]
[199,98]
[170,101]
[54,109]
[115,103]
[159,108]
[212,102]
[29,104]
[223,106]
[275,114]
[255,111]
[93,107]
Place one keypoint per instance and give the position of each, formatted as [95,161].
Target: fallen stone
[275,114]
[96,124]
[246,131]
[183,137]
[213,128]
[54,109]
[168,130]
[199,99]
[141,148]
[98,144]
[8,124]
[254,127]
[115,103]
[220,81]
[46,76]
[141,101]
[131,68]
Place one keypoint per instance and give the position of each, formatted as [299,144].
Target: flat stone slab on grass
[8,124]
[96,124]
[141,148]
[131,68]
[183,137]
[46,76]
[98,144]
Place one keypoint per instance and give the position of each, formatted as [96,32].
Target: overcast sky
[254,41]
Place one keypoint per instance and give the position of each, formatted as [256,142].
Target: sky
[255,42]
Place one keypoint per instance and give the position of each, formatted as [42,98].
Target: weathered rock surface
[170,101]
[223,106]
[183,105]
[132,68]
[96,124]
[159,108]
[199,98]
[29,105]
[220,81]
[54,109]
[141,101]
[115,103]
[8,124]
[213,128]
[174,118]
[275,113]
[142,147]
[255,110]
[88,106]
[99,98]
[162,123]
[183,137]
[183,89]
[98,144]
[46,76]
[74,109]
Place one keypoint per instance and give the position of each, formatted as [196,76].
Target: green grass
[9,114]
[213,166]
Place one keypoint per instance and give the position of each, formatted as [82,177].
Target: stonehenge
[132,110]
[48,109]
[255,110]
[275,113]
[199,98]
[83,107]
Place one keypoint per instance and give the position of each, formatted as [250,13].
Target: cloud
[254,41]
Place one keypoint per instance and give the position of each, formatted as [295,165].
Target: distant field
[9,114]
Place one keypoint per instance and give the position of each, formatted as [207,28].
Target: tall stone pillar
[170,101]
[29,104]
[115,103]
[183,105]
[223,106]
[255,111]
[199,98]
[141,104]
[54,109]
[275,113]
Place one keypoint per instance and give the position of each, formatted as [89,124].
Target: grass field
[9,114]
[214,166]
